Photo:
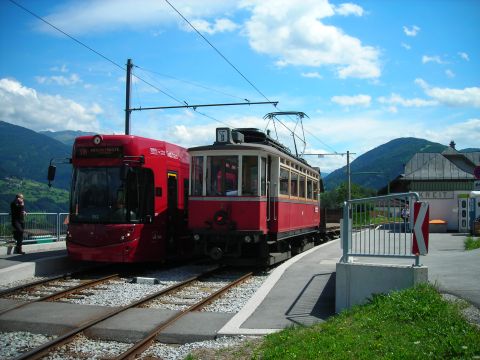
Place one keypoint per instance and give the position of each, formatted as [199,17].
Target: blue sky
[364,72]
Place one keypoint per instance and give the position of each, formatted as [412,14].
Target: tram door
[172,212]
[463,215]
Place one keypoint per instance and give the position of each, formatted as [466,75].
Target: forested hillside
[383,163]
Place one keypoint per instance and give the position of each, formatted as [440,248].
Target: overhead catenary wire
[89,47]
[193,84]
[216,50]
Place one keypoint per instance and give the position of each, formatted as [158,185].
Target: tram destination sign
[99,152]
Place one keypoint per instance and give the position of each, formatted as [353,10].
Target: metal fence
[379,227]
[39,227]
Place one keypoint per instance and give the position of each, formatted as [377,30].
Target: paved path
[453,269]
[302,291]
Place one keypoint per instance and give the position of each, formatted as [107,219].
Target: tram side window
[294,184]
[309,189]
[301,187]
[197,175]
[284,178]
[250,176]
[263,177]
[315,190]
[222,175]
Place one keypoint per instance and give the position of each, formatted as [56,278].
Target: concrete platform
[38,260]
[301,291]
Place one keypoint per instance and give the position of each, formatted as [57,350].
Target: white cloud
[406,46]
[220,25]
[79,17]
[62,68]
[290,31]
[294,33]
[346,9]
[26,107]
[412,31]
[313,75]
[450,74]
[397,100]
[356,100]
[59,80]
[468,97]
[436,59]
[464,133]
[464,56]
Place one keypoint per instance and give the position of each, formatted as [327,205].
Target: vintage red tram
[128,200]
[252,201]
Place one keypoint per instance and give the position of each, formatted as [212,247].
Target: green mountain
[67,136]
[383,164]
[26,155]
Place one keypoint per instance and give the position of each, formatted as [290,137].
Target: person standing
[17,211]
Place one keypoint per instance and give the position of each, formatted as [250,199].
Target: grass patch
[414,324]
[472,243]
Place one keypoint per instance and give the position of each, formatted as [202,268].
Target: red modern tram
[251,201]
[128,200]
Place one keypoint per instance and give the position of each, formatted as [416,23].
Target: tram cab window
[197,175]
[111,195]
[301,187]
[222,175]
[294,184]
[250,175]
[284,178]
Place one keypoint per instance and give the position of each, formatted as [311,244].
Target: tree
[334,199]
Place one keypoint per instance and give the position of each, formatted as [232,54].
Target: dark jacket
[17,211]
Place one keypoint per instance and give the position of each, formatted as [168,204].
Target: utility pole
[128,109]
[127,97]
[349,176]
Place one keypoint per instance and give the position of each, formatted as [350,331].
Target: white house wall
[444,206]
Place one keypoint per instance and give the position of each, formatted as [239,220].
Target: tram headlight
[196,237]
[97,139]
[247,239]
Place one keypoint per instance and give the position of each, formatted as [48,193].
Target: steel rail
[31,284]
[143,344]
[43,281]
[61,293]
[67,337]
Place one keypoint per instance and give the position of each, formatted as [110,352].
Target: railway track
[171,295]
[50,289]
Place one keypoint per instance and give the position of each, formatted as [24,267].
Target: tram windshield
[111,195]
[222,175]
